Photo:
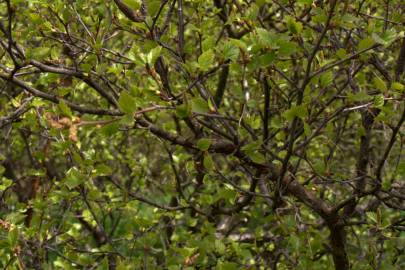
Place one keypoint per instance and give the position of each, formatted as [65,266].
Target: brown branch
[337,240]
[350,57]
[223,77]
[387,151]
[308,198]
[55,98]
[224,18]
[400,67]
[17,113]
[362,160]
[266,109]
[135,16]
[180,42]
[70,72]
[147,201]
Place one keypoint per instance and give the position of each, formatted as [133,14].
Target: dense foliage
[202,134]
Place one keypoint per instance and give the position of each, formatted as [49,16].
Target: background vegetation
[202,134]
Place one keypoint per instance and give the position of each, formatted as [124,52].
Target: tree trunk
[338,247]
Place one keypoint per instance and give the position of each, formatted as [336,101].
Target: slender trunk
[338,246]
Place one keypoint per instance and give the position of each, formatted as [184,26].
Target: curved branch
[134,16]
[55,98]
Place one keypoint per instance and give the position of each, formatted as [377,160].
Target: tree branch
[223,77]
[133,15]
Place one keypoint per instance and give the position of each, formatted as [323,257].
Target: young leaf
[385,38]
[203,144]
[65,109]
[208,43]
[110,129]
[230,51]
[153,55]
[208,162]
[379,101]
[102,170]
[40,52]
[206,59]
[365,44]
[133,4]
[127,103]
[296,111]
[397,86]
[266,39]
[198,105]
[183,110]
[266,59]
[341,53]
[380,84]
[294,26]
[73,178]
[286,48]
[256,157]
[13,237]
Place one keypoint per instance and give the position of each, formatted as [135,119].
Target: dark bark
[223,77]
[133,15]
[266,111]
[399,70]
[363,160]
[337,241]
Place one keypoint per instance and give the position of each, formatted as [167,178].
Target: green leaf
[198,105]
[153,7]
[40,52]
[296,111]
[110,129]
[307,130]
[372,216]
[206,60]
[262,61]
[73,178]
[126,120]
[219,247]
[379,101]
[13,237]
[397,86]
[102,170]
[286,48]
[208,43]
[256,157]
[208,162]
[326,78]
[341,53]
[127,103]
[294,26]
[359,97]
[239,43]
[365,44]
[252,151]
[64,108]
[306,2]
[266,59]
[227,266]
[385,38]
[380,84]
[266,39]
[86,67]
[153,55]
[230,51]
[133,4]
[253,146]
[183,110]
[203,144]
